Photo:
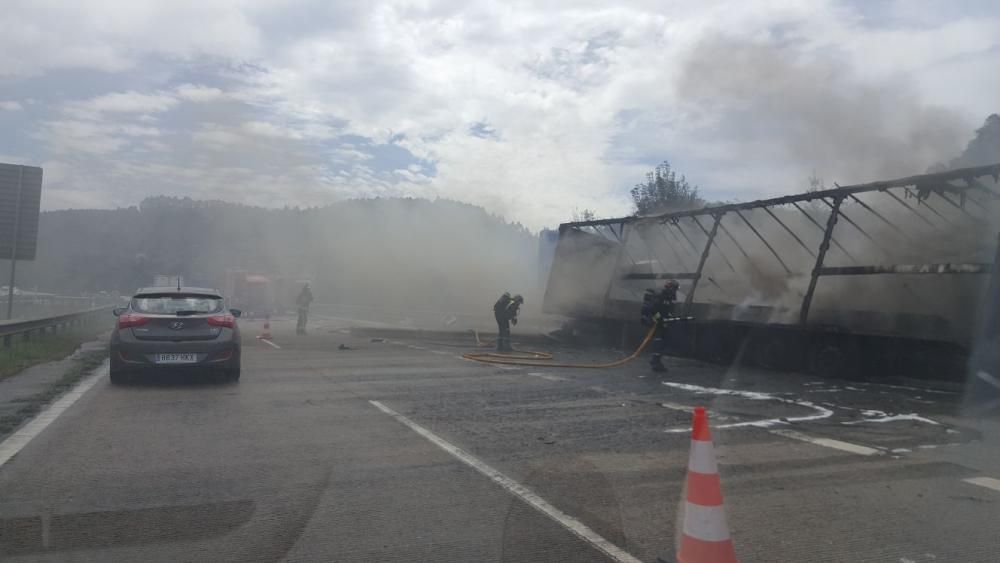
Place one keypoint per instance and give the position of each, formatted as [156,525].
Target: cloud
[111,36]
[10,105]
[87,137]
[122,102]
[530,109]
[197,93]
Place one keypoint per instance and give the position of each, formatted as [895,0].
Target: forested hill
[393,251]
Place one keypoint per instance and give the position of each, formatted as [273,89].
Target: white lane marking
[16,441]
[268,342]
[821,412]
[827,442]
[988,482]
[415,347]
[577,528]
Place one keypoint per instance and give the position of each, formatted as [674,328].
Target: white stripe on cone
[702,458]
[706,523]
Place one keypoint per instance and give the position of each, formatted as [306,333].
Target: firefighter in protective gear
[302,303]
[505,312]
[657,307]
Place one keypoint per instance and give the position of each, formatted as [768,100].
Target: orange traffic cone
[266,333]
[706,536]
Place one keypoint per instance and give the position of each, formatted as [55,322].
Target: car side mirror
[117,311]
[236,313]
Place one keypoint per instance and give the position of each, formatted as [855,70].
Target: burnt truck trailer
[888,277]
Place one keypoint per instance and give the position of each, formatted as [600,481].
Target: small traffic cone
[266,333]
[706,536]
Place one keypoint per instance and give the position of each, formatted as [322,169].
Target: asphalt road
[402,451]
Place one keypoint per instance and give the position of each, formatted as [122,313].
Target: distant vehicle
[166,329]
[254,294]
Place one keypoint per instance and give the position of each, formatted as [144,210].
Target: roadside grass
[40,349]
[30,406]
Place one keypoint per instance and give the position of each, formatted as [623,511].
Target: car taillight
[131,319]
[227,321]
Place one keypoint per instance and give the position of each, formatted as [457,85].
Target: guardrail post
[831,222]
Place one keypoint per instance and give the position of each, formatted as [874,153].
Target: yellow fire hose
[544,359]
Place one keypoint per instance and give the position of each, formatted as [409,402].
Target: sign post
[13,245]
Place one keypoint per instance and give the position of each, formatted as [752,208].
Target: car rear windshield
[173,303]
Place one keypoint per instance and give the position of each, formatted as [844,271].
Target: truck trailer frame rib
[919,187]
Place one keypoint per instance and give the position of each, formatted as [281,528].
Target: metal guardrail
[26,329]
[34,306]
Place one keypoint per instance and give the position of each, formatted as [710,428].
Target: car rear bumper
[144,354]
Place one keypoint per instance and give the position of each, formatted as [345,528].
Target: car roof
[174,289]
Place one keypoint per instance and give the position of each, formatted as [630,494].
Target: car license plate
[176,358]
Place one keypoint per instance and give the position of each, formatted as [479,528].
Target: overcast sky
[529,111]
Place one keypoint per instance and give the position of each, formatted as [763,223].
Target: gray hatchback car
[170,329]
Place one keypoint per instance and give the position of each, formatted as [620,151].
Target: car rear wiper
[185,313]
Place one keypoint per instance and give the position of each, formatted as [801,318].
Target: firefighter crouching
[657,307]
[505,311]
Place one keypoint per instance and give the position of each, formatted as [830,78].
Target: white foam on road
[677,407]
[547,376]
[819,412]
[827,442]
[577,528]
[936,446]
[988,482]
[921,389]
[18,440]
[879,416]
